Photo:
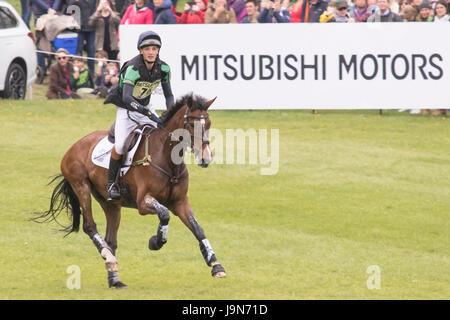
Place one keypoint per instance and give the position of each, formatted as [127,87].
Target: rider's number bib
[143,89]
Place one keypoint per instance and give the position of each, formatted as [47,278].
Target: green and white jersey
[145,81]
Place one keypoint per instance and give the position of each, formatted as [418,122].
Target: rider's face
[149,53]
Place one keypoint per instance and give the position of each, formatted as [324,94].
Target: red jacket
[192,17]
[134,16]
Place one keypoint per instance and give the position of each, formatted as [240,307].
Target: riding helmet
[149,38]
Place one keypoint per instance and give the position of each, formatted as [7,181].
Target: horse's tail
[63,198]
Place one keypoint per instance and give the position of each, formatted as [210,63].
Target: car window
[7,18]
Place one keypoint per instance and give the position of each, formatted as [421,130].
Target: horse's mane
[194,102]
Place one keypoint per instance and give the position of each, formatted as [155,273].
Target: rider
[138,78]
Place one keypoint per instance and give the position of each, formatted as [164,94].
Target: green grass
[354,189]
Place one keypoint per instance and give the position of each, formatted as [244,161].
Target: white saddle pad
[102,153]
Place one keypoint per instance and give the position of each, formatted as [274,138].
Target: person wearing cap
[341,13]
[425,12]
[138,78]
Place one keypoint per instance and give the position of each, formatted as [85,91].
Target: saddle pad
[102,153]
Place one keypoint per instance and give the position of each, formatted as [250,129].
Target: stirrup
[113,193]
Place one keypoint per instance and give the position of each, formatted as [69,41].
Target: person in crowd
[409,13]
[219,12]
[39,8]
[341,14]
[295,10]
[81,81]
[122,5]
[401,5]
[106,22]
[138,13]
[86,36]
[272,12]
[239,9]
[372,4]
[60,72]
[252,9]
[416,4]
[112,78]
[194,13]
[384,14]
[25,6]
[312,10]
[441,12]
[163,13]
[328,14]
[425,12]
[101,73]
[359,11]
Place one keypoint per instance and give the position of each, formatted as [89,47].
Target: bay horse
[155,184]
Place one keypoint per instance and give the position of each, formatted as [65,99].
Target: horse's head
[197,122]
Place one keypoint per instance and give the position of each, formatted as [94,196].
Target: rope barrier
[75,56]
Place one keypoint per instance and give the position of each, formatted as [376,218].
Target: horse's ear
[209,103]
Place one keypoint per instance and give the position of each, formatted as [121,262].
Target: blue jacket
[282,16]
[164,14]
[41,7]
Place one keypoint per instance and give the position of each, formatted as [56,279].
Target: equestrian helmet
[149,38]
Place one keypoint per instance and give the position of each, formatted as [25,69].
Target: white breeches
[124,126]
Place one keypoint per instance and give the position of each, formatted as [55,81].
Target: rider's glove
[139,108]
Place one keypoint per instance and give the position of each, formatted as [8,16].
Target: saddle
[131,140]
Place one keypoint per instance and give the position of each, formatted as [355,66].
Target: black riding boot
[113,191]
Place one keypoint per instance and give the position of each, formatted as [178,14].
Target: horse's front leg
[184,211]
[150,205]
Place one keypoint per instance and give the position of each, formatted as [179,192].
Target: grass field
[354,189]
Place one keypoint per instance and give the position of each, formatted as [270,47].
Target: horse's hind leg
[184,211]
[82,188]
[112,213]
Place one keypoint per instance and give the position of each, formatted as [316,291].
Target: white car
[18,59]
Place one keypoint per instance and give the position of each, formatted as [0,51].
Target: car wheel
[16,82]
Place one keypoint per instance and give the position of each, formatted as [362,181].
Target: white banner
[306,65]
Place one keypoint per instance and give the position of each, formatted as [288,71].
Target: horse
[156,184]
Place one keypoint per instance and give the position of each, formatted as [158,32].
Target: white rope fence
[75,56]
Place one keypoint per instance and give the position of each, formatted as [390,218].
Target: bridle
[202,118]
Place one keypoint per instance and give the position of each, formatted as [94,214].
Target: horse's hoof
[119,285]
[218,271]
[153,243]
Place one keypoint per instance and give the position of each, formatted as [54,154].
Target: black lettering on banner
[225,61]
[290,66]
[324,67]
[190,67]
[296,67]
[278,67]
[348,66]
[424,62]
[243,75]
[314,66]
[205,67]
[363,66]
[262,67]
[216,66]
[383,65]
[394,67]
[441,72]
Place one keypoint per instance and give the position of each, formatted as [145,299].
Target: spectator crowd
[99,22]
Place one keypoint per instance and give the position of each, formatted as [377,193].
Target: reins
[147,160]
